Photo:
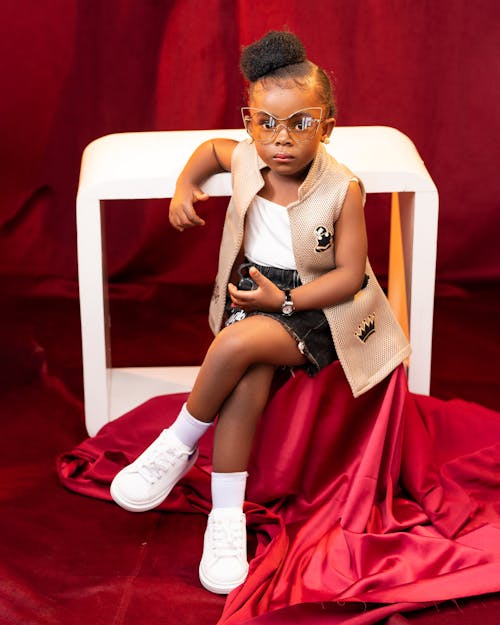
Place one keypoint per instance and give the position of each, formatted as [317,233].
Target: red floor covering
[70,559]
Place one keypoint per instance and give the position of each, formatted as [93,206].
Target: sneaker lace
[158,460]
[227,537]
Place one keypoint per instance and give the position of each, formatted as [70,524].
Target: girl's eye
[268,122]
[304,122]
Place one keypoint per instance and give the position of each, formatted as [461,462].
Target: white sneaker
[224,564]
[146,482]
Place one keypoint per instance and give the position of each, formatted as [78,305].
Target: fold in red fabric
[361,507]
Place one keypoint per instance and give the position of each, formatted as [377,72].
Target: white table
[146,165]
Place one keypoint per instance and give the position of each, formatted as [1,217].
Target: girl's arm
[211,157]
[334,287]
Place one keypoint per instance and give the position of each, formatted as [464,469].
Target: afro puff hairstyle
[275,50]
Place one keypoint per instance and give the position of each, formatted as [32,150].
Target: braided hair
[279,57]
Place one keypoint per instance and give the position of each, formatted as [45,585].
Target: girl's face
[284,155]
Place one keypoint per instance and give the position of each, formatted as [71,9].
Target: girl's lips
[282,157]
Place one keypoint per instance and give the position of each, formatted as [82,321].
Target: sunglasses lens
[263,127]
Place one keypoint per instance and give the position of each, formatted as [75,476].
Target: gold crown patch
[366,328]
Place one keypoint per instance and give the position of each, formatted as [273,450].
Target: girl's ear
[328,126]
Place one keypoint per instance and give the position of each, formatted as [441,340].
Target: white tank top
[268,238]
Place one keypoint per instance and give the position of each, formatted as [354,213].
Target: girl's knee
[230,346]
[255,340]
[233,340]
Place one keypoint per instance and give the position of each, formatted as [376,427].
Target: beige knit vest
[367,336]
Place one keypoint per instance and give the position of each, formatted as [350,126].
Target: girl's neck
[281,189]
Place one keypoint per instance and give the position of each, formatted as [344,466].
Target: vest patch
[366,328]
[324,238]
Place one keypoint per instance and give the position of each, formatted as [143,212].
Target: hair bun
[276,49]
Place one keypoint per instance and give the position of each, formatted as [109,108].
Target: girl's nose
[279,137]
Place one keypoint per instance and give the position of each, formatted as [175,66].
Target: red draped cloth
[360,507]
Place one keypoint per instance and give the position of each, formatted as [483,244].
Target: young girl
[294,288]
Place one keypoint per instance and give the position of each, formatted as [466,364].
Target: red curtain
[73,70]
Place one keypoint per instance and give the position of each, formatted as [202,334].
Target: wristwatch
[287,308]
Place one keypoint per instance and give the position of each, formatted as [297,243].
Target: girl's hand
[266,297]
[181,213]
[209,158]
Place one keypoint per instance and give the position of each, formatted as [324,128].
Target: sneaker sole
[220,589]
[132,506]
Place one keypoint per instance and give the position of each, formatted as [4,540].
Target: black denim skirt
[309,328]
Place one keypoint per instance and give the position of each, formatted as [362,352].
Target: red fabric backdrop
[391,498]
[75,70]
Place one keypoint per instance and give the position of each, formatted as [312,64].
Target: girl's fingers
[182,214]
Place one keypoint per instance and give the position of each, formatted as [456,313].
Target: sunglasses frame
[247,112]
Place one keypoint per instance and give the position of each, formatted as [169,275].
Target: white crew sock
[228,489]
[187,428]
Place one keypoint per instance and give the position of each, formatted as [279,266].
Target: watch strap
[287,307]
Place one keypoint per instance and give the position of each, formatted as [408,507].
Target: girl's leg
[238,419]
[224,564]
[255,340]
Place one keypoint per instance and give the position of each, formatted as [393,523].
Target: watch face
[287,309]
